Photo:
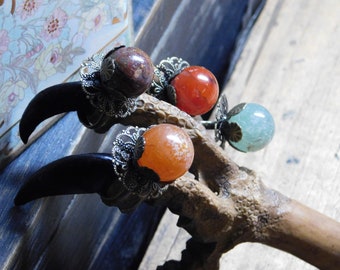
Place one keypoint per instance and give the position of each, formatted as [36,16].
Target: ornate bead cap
[248,127]
[111,102]
[166,70]
[113,81]
[141,181]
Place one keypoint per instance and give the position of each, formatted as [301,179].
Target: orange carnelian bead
[168,151]
[196,90]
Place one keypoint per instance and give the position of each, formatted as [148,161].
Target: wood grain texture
[201,32]
[79,232]
[291,66]
[68,232]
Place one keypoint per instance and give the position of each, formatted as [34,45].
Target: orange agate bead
[196,90]
[168,151]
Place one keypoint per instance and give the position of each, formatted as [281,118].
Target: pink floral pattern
[96,17]
[54,24]
[28,8]
[43,42]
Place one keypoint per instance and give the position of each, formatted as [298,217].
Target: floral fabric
[43,42]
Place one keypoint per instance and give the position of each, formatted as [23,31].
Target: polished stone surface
[196,90]
[256,124]
[168,151]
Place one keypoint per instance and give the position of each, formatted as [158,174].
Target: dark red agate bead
[127,69]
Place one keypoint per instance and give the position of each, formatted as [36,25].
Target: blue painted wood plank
[79,232]
[62,231]
[202,32]
[141,10]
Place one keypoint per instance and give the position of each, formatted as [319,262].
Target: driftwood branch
[225,205]
[218,202]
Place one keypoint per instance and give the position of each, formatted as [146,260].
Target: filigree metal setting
[165,71]
[141,181]
[109,101]
[225,131]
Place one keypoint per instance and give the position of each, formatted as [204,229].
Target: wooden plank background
[291,65]
[79,232]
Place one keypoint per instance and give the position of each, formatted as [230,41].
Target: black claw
[54,100]
[79,174]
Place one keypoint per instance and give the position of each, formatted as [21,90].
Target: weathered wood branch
[226,205]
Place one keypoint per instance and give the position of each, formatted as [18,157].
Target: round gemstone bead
[127,69]
[168,151]
[196,90]
[252,127]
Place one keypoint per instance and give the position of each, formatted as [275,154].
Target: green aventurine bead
[252,127]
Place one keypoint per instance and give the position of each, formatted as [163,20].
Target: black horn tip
[78,174]
[53,100]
